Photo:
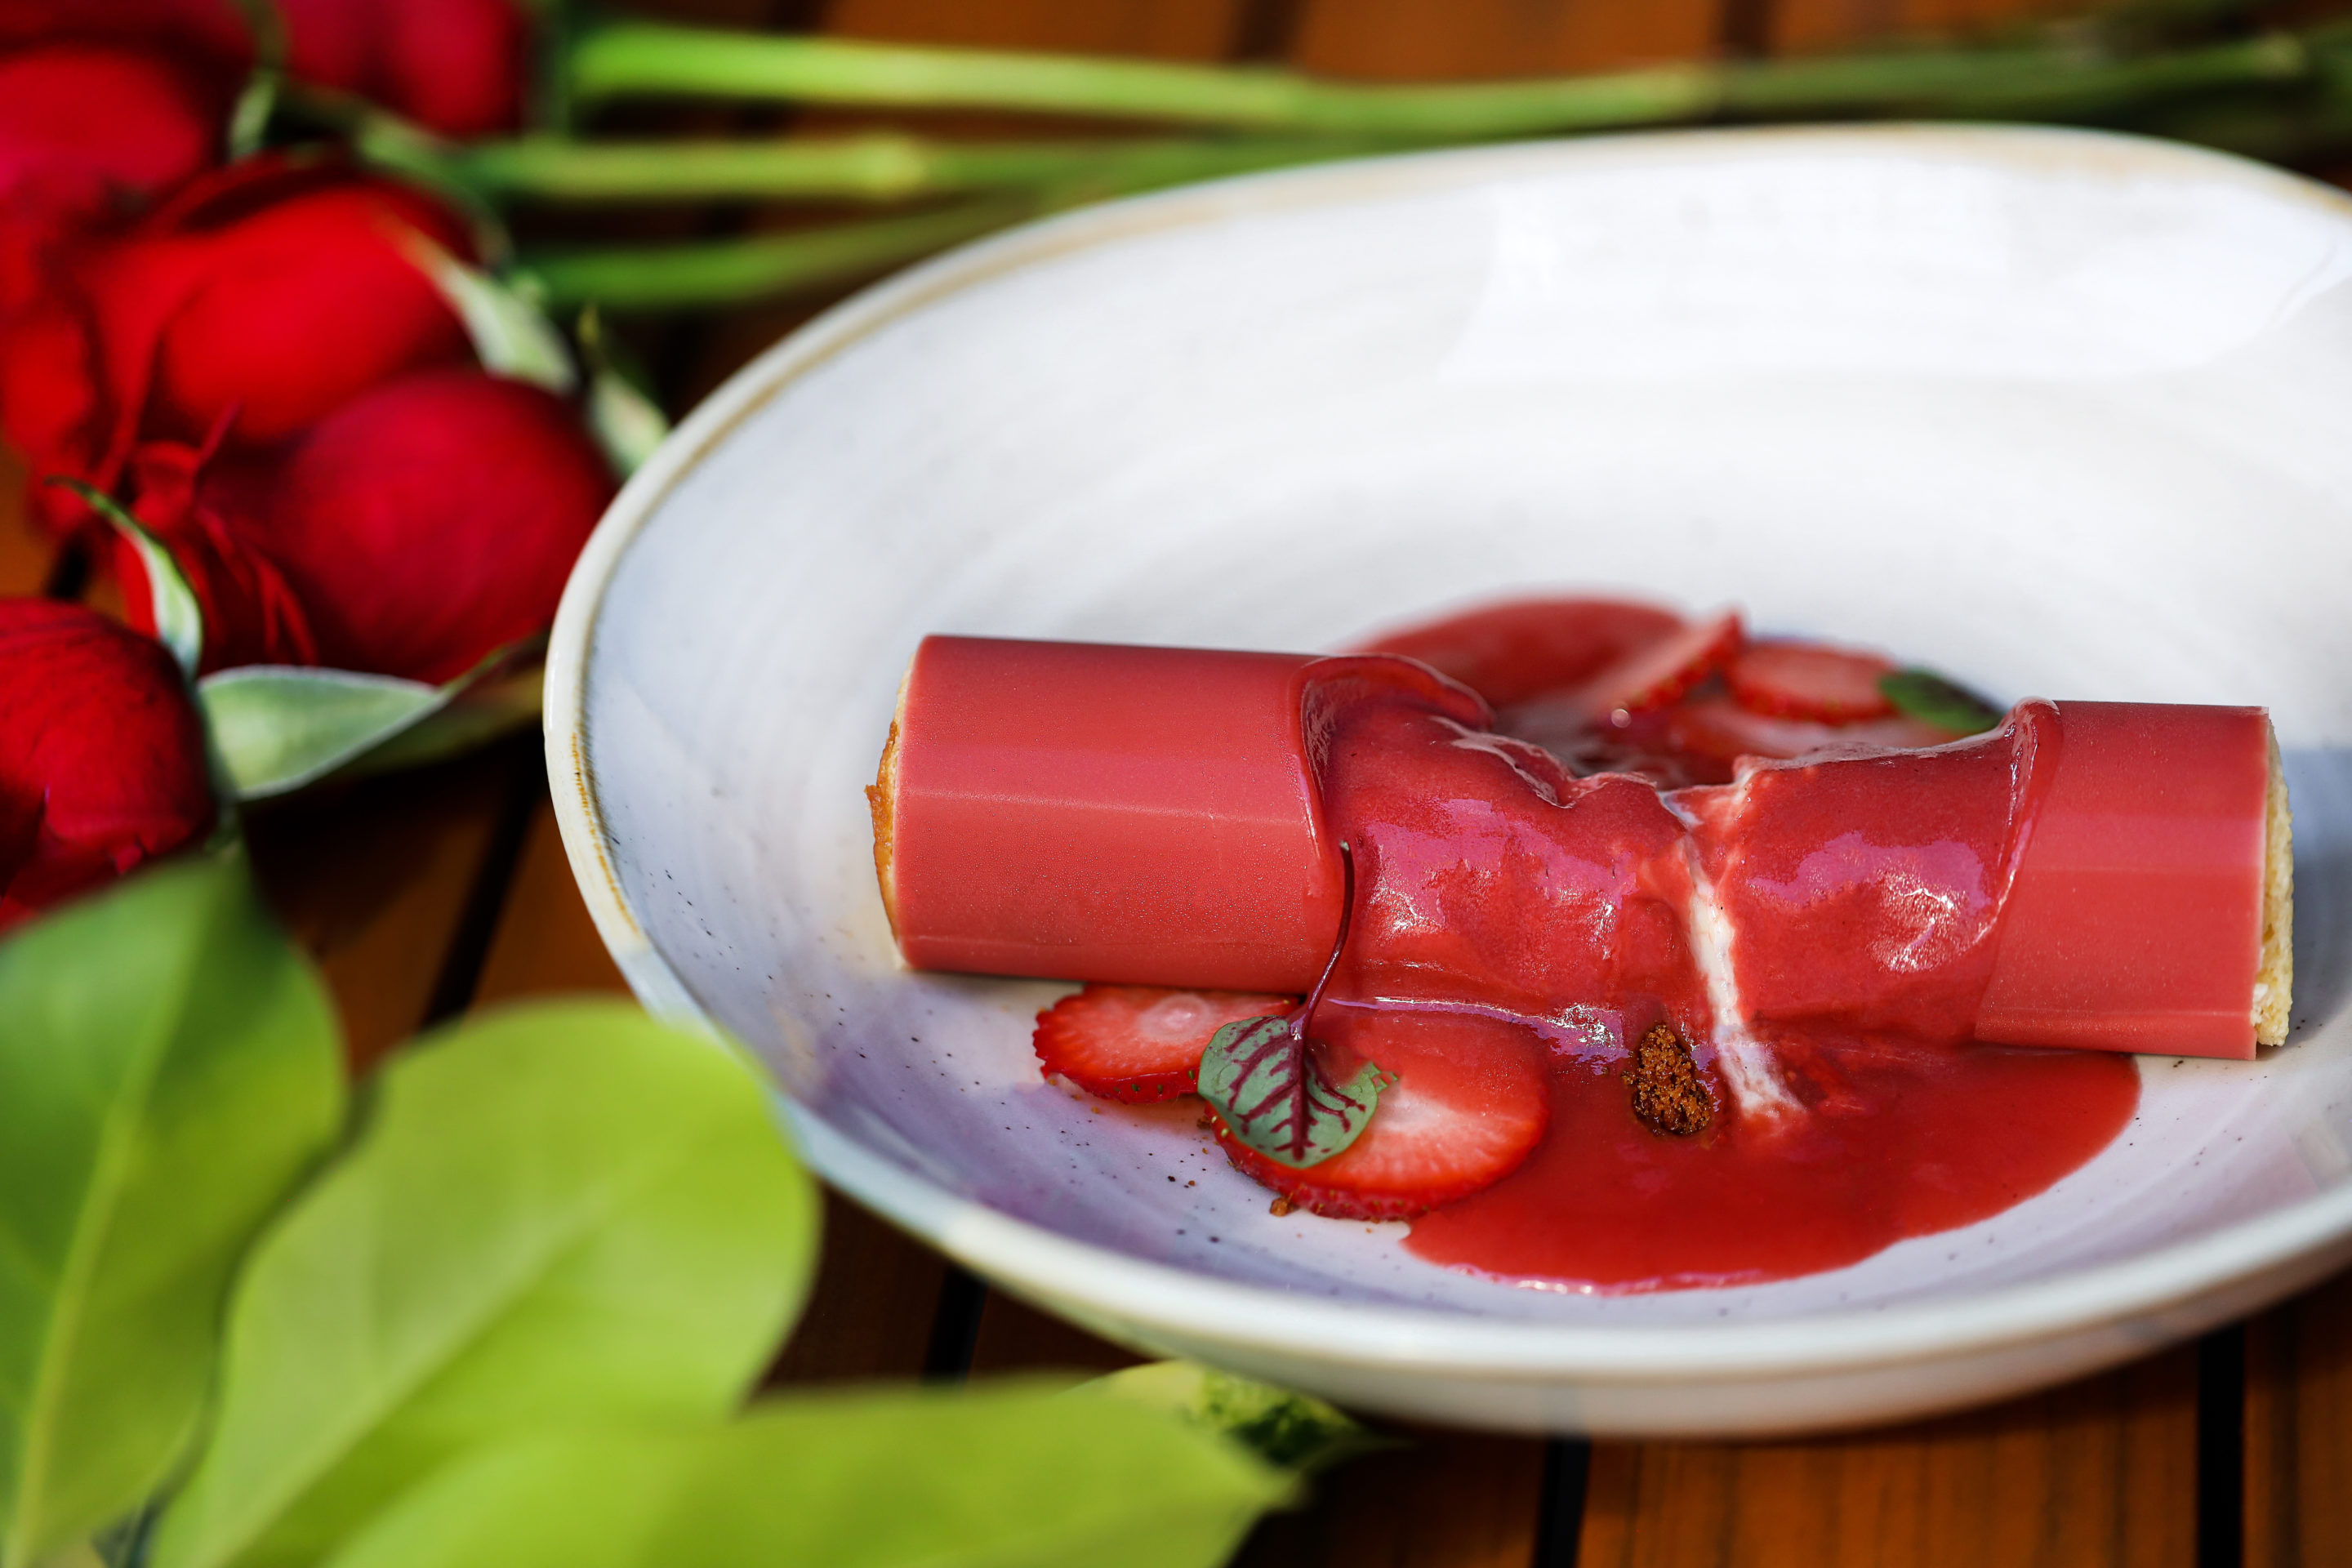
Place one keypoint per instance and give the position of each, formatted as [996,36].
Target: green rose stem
[640,60]
[882,166]
[731,271]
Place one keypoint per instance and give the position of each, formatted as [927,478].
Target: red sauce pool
[1864,897]
[1902,1138]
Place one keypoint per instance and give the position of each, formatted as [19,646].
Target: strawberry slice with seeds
[1654,675]
[1516,652]
[1468,1104]
[1719,729]
[1664,671]
[1784,679]
[1140,1043]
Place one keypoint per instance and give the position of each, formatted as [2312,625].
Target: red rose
[271,293]
[457,67]
[201,510]
[210,30]
[101,755]
[435,520]
[82,126]
[277,307]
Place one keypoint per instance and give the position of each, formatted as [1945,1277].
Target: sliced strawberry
[1469,1105]
[1513,652]
[1789,679]
[1718,729]
[1662,672]
[1140,1043]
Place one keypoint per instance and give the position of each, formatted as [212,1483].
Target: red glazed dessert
[1620,1036]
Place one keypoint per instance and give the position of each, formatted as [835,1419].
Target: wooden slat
[1801,24]
[544,942]
[375,881]
[870,1315]
[1169,29]
[1014,1336]
[1443,1499]
[2102,1472]
[2298,1455]
[1431,39]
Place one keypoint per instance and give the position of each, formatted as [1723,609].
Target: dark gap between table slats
[477,927]
[2221,1447]
[1266,30]
[956,1327]
[1560,1521]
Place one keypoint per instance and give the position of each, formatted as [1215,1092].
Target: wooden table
[427,895]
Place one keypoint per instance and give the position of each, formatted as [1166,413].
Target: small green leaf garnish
[1269,1084]
[1924,695]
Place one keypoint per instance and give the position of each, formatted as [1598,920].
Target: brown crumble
[1668,1094]
[1279,1207]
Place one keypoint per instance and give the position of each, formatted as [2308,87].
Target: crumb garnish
[1279,1207]
[1668,1094]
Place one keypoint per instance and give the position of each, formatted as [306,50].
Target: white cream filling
[1748,1067]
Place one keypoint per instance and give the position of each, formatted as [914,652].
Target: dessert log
[1779,1006]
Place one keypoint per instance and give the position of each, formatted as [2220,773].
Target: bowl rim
[2252,1261]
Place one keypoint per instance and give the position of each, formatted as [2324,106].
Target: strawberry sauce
[1546,915]
[1897,1138]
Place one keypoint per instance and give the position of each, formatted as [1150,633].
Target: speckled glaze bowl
[2057,413]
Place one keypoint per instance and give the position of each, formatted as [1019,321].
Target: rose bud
[209,29]
[433,520]
[101,755]
[454,66]
[200,509]
[278,296]
[85,128]
[272,293]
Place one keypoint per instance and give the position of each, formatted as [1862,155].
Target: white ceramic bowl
[2054,412]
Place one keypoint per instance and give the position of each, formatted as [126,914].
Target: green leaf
[557,1216]
[278,727]
[628,423]
[1928,697]
[511,336]
[169,1067]
[1296,1431]
[179,618]
[474,716]
[990,1477]
[1269,1085]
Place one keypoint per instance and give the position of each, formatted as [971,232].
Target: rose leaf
[1015,1472]
[553,1217]
[169,1067]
